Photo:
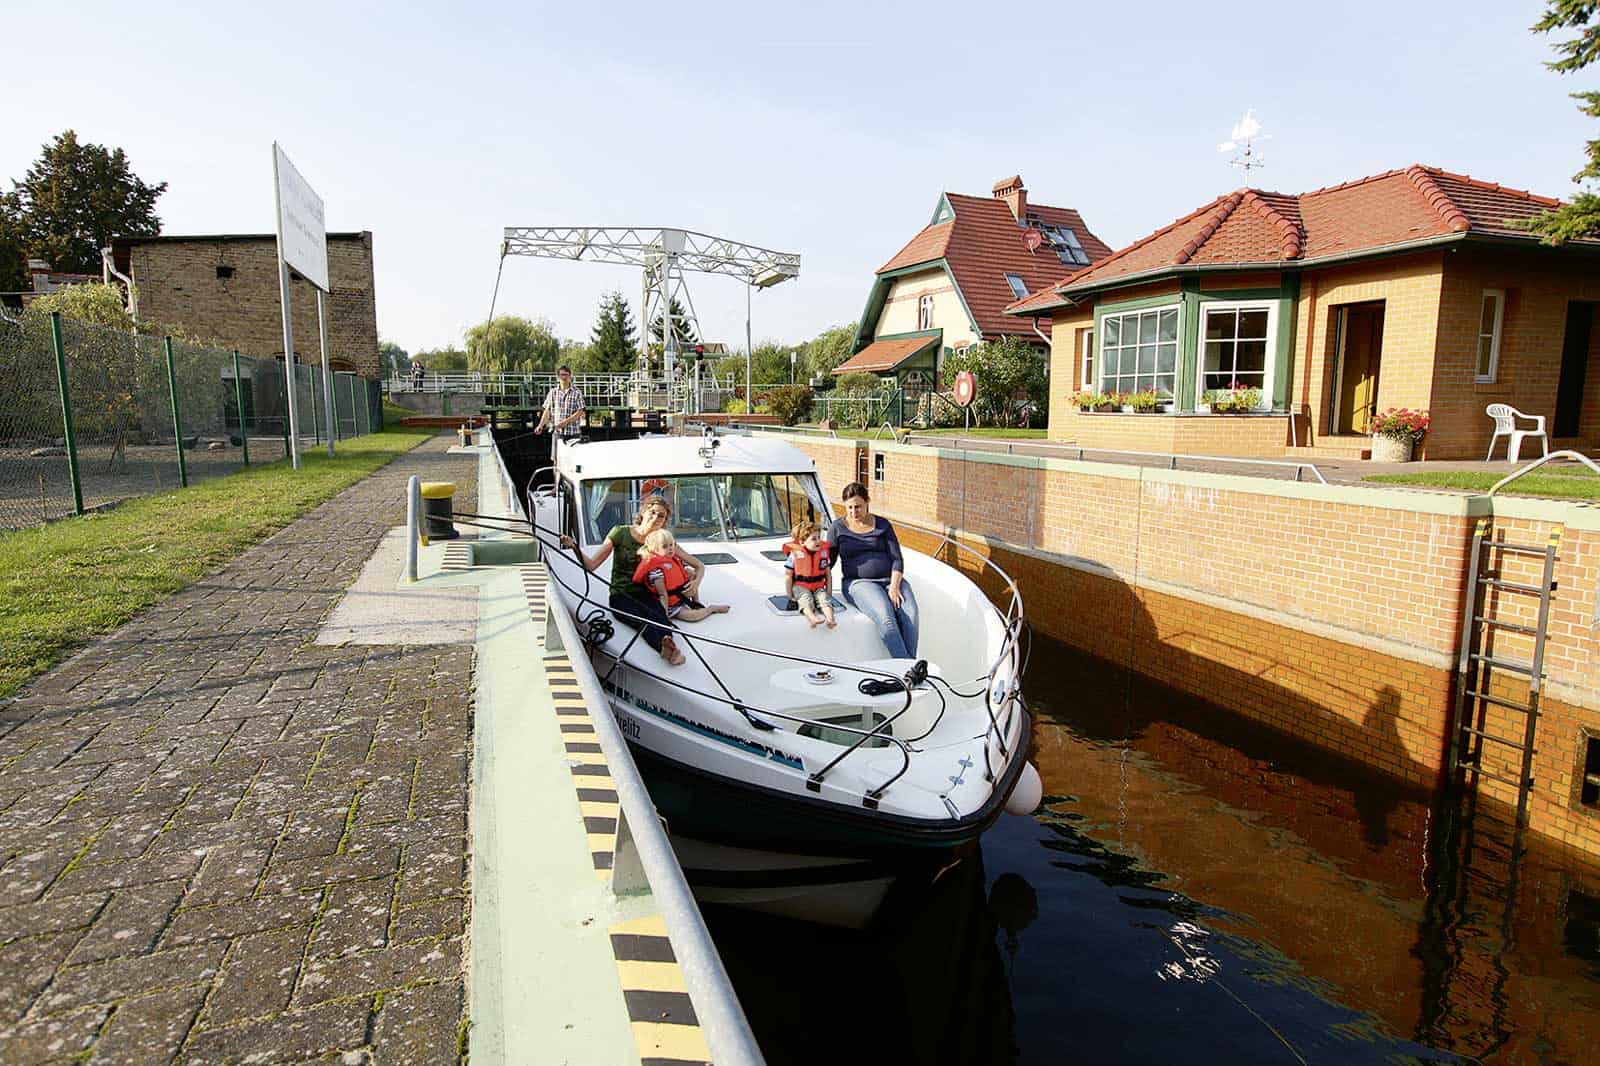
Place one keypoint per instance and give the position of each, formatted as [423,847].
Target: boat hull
[710,807]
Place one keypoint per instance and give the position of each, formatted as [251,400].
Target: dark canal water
[1195,890]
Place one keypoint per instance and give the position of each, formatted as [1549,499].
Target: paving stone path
[220,841]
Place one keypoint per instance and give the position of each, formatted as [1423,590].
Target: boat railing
[1007,697]
[880,732]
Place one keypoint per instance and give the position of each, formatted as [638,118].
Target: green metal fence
[90,415]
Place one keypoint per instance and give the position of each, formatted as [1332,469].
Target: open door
[1360,353]
[1574,368]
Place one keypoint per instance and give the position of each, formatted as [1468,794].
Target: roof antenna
[1245,132]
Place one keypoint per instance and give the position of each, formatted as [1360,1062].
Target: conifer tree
[612,344]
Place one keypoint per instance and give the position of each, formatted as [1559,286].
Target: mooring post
[413,514]
[238,400]
[177,417]
[66,413]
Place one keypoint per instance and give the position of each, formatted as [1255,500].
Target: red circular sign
[966,388]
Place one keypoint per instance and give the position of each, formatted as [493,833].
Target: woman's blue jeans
[896,625]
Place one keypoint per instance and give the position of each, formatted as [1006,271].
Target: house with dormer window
[1416,288]
[949,286]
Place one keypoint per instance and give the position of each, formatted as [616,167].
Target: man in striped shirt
[563,408]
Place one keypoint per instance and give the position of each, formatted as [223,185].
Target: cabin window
[707,506]
[1491,311]
[1139,351]
[925,312]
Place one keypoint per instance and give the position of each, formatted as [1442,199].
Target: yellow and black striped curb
[457,556]
[665,1028]
[591,777]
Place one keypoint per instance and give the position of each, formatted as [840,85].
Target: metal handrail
[890,427]
[1171,457]
[1543,459]
[716,1003]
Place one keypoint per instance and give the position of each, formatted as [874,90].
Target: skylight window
[1066,244]
[1019,289]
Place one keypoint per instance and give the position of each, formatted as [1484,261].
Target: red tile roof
[1257,228]
[984,242]
[884,355]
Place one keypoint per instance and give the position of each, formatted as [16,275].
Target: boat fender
[1029,791]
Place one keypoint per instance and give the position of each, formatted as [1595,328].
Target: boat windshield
[708,506]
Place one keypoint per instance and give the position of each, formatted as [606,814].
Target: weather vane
[1245,132]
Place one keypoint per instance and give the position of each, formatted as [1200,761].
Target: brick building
[1413,288]
[224,289]
[949,286]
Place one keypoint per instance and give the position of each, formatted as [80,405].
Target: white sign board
[302,238]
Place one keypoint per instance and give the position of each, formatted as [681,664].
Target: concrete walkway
[222,841]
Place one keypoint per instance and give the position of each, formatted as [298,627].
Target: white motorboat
[809,744]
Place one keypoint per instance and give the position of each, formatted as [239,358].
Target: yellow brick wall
[1537,287]
[1409,287]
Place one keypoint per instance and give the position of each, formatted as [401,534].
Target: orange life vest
[810,568]
[673,574]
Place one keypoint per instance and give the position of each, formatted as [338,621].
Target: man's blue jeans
[896,625]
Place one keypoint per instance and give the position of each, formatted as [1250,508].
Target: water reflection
[1195,888]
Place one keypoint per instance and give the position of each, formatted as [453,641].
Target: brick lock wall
[1331,614]
[178,286]
[1533,325]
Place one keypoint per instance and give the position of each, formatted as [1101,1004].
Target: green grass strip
[67,581]
[998,432]
[1577,484]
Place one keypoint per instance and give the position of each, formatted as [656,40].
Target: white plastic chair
[1505,425]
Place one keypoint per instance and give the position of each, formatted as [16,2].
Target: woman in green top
[624,542]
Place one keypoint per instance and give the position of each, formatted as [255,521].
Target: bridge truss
[665,255]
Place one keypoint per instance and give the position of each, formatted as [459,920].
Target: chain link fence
[91,415]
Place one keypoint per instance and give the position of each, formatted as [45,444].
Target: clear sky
[826,129]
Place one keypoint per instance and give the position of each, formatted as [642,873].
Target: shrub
[791,403]
[1012,387]
[735,407]
[860,382]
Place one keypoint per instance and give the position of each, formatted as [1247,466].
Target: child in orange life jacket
[807,569]
[664,574]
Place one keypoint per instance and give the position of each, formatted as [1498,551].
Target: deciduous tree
[75,198]
[513,344]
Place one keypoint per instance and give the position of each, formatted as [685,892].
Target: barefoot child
[665,575]
[809,583]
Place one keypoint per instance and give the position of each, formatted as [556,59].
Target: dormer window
[1019,288]
[925,312]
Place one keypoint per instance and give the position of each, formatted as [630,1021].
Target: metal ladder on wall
[1477,664]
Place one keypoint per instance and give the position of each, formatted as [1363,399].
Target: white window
[1139,351]
[1237,342]
[1490,313]
[1019,288]
[925,312]
[1088,359]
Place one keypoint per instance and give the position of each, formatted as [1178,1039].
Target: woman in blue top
[873,572]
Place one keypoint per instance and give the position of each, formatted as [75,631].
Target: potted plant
[1396,433]
[1144,401]
[1090,400]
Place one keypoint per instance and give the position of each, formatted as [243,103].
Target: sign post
[302,246]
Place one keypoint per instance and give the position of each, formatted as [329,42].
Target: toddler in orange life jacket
[664,574]
[809,583]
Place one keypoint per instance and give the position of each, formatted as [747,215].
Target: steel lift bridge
[665,255]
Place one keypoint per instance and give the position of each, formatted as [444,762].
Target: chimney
[1016,197]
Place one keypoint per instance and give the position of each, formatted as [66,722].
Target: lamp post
[791,365]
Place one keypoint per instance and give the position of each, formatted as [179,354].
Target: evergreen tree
[682,328]
[612,345]
[77,197]
[13,261]
[1581,217]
